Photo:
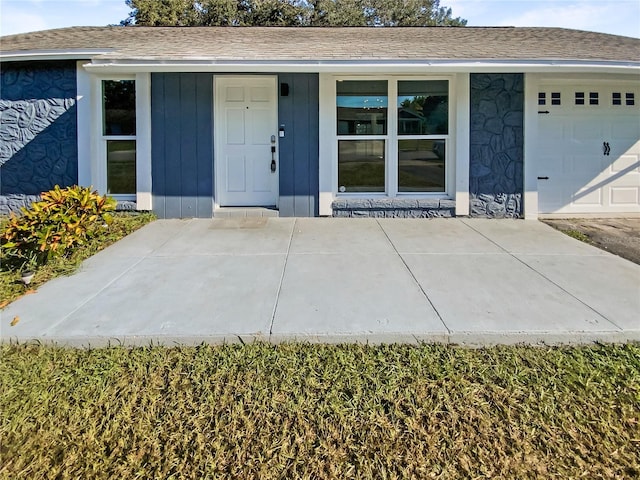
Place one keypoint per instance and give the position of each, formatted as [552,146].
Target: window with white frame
[119,135]
[392,135]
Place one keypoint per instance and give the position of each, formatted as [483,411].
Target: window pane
[423,107]
[121,166]
[360,166]
[421,165]
[362,107]
[119,107]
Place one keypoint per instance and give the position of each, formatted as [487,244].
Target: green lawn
[123,224]
[260,411]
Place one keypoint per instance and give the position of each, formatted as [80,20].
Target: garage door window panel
[630,99]
[616,98]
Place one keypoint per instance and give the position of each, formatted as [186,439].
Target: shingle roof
[330,43]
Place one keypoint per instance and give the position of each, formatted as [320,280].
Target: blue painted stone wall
[38,128]
[496,145]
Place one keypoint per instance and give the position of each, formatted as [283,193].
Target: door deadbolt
[273,153]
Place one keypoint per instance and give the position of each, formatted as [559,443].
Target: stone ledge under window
[13,202]
[393,207]
[126,206]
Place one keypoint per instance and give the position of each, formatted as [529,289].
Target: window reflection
[423,107]
[421,165]
[121,166]
[119,107]
[362,107]
[361,166]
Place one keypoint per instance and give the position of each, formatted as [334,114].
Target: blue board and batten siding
[299,149]
[182,145]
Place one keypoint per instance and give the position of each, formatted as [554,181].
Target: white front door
[246,128]
[588,148]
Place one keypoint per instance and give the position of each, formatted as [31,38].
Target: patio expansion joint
[284,269]
[448,334]
[513,255]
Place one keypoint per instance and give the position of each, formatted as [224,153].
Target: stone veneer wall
[38,129]
[496,145]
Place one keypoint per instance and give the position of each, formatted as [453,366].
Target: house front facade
[383,122]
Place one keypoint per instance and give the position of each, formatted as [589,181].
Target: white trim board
[92,159]
[143,141]
[364,67]
[328,149]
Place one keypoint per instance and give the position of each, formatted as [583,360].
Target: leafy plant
[53,227]
[124,223]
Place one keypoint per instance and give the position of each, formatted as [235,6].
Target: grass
[261,411]
[577,235]
[123,224]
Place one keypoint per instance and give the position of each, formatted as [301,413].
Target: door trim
[217,134]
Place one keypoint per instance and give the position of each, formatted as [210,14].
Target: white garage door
[588,149]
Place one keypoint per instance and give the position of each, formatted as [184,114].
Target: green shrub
[54,226]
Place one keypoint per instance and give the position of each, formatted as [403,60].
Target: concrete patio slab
[233,236]
[54,301]
[411,236]
[612,292]
[339,235]
[529,237]
[337,280]
[498,293]
[355,296]
[188,296]
[144,241]
[170,297]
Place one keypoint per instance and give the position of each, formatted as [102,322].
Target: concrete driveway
[323,279]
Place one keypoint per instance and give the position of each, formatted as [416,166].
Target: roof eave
[361,66]
[100,62]
[48,55]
